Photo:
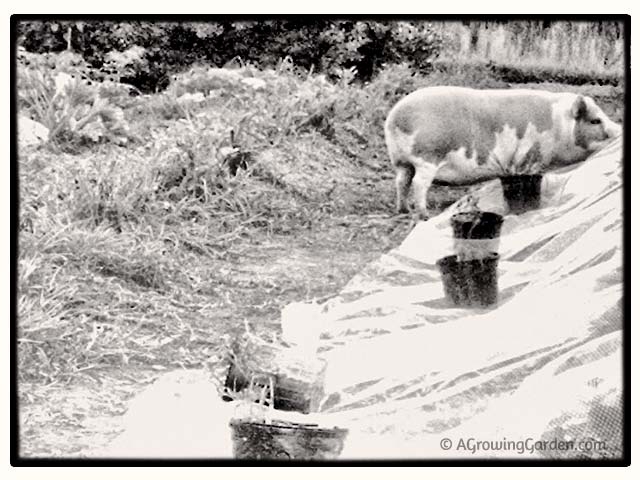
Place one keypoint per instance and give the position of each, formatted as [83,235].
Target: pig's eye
[595,121]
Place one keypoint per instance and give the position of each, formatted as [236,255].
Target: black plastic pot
[289,395]
[476,225]
[286,441]
[476,234]
[522,192]
[470,283]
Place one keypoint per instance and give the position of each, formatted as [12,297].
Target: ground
[113,276]
[66,420]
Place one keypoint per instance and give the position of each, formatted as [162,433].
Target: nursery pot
[285,441]
[476,225]
[470,283]
[522,192]
[290,394]
[476,234]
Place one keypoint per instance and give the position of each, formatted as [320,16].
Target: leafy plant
[514,156]
[72,108]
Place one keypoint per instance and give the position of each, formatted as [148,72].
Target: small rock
[31,132]
[62,82]
[224,74]
[255,83]
[192,97]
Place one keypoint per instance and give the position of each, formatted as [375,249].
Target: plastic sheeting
[537,375]
[408,371]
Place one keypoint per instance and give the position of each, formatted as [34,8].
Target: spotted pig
[451,134]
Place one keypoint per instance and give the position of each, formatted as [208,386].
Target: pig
[451,134]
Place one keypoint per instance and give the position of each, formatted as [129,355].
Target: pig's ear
[579,107]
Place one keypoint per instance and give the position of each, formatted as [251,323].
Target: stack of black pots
[470,277]
[278,378]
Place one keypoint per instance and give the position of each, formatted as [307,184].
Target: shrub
[147,54]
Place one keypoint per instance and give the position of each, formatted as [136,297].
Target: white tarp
[406,370]
[412,377]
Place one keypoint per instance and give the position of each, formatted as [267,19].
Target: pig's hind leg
[404,177]
[424,174]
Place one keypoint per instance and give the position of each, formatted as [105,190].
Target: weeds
[111,238]
[120,248]
[72,108]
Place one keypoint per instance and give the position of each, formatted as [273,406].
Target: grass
[120,246]
[566,49]
[138,258]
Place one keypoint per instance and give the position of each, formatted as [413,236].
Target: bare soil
[70,420]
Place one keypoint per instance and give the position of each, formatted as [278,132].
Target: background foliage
[574,52]
[167,48]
